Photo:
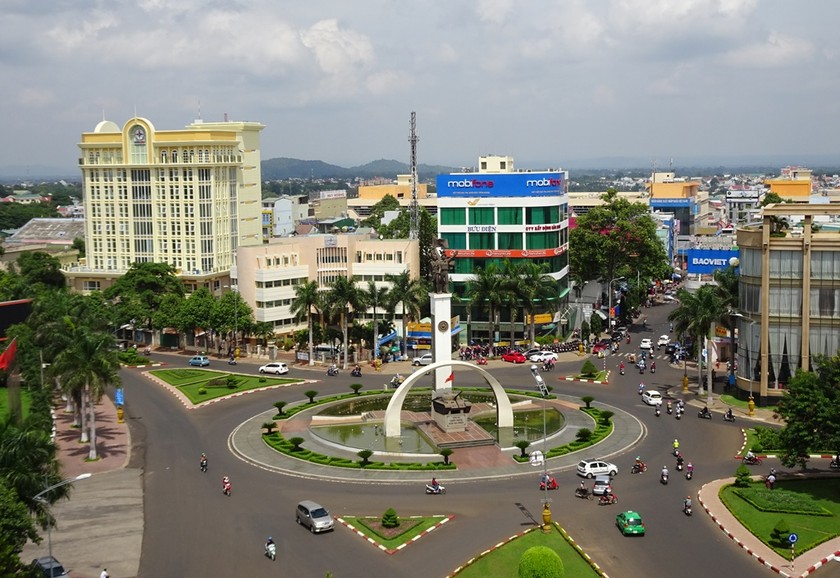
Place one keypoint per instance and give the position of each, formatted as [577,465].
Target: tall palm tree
[695,316]
[373,297]
[88,365]
[410,294]
[306,299]
[343,299]
[535,290]
[486,290]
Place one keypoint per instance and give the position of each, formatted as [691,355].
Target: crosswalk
[658,356]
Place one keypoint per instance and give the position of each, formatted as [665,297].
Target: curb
[595,381]
[390,551]
[732,536]
[488,551]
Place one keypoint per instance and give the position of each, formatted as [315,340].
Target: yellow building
[794,183]
[187,197]
[399,190]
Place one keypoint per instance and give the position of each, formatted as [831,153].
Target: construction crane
[414,209]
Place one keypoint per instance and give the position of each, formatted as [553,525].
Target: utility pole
[414,210]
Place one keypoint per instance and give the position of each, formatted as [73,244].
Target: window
[542,215]
[453,216]
[455,240]
[510,215]
[825,264]
[510,241]
[785,264]
[482,216]
[543,240]
[481,241]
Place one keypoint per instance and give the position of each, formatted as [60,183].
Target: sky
[544,81]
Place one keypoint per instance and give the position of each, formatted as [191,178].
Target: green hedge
[602,430]
[779,500]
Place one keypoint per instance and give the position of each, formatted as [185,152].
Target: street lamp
[609,301]
[46,504]
[546,513]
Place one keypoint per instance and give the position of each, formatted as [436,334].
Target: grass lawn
[742,404]
[504,561]
[812,530]
[600,376]
[190,381]
[25,402]
[391,538]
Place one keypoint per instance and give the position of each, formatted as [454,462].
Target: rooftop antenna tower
[414,228]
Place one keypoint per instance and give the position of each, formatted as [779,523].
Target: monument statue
[439,270]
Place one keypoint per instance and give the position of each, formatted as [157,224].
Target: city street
[192,529]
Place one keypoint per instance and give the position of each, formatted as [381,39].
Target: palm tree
[534,290]
[373,297]
[486,290]
[411,294]
[88,365]
[306,299]
[28,463]
[343,299]
[695,316]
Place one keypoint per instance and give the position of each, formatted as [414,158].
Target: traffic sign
[793,538]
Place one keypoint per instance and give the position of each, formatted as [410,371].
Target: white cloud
[337,51]
[33,97]
[776,51]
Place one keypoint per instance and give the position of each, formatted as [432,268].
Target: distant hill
[286,168]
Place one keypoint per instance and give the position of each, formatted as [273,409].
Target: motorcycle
[752,461]
[689,474]
[203,465]
[687,509]
[679,466]
[147,352]
[663,479]
[679,413]
[704,414]
[332,371]
[356,373]
[232,361]
[669,409]
[439,489]
[552,484]
[621,370]
[657,412]
[583,493]
[271,550]
[728,417]
[834,464]
[226,489]
[481,361]
[676,451]
[607,500]
[653,368]
[641,388]
[638,468]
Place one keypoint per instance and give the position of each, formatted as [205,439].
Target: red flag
[450,378]
[8,356]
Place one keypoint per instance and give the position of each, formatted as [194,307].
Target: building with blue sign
[499,214]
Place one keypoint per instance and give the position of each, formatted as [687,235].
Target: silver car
[313,516]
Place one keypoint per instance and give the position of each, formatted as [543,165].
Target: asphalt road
[192,529]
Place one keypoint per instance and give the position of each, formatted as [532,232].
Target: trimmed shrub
[310,393]
[364,454]
[606,415]
[356,387]
[780,533]
[540,562]
[445,452]
[269,426]
[390,519]
[587,399]
[584,434]
[522,445]
[280,405]
[742,477]
[231,382]
[296,441]
[589,369]
[202,391]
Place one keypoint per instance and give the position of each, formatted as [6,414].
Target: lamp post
[546,513]
[46,504]
[609,302]
[685,366]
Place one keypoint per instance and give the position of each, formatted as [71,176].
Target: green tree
[197,313]
[231,316]
[138,293]
[694,316]
[540,562]
[79,245]
[169,313]
[410,294]
[811,410]
[374,297]
[41,269]
[535,290]
[306,299]
[486,292]
[17,528]
[344,299]
[390,518]
[617,239]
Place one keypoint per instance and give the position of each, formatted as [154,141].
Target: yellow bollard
[120,414]
[751,406]
[546,516]
[685,383]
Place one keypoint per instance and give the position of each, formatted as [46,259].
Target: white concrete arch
[504,409]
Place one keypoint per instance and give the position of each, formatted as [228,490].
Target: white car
[664,340]
[276,368]
[652,397]
[646,344]
[592,468]
[543,356]
[425,359]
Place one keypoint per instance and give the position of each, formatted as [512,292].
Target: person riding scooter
[621,368]
[202,462]
[653,367]
[357,371]
[687,505]
[705,411]
[435,485]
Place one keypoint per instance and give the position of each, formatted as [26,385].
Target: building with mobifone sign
[498,214]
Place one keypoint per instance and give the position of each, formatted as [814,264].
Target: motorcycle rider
[680,461]
[668,406]
[269,542]
[621,367]
[676,446]
[640,465]
[689,468]
[705,410]
[202,462]
[653,367]
[435,485]
[687,504]
[641,388]
[225,484]
[357,371]
[729,414]
[664,473]
[750,456]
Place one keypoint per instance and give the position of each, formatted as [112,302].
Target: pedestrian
[104,573]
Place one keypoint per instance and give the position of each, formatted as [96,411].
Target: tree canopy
[138,294]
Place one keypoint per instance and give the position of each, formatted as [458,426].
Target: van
[602,485]
[313,516]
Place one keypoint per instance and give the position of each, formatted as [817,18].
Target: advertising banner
[503,253]
[707,261]
[539,184]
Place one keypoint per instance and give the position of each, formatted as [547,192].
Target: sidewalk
[101,524]
[804,565]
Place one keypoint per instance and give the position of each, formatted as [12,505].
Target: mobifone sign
[707,261]
[525,184]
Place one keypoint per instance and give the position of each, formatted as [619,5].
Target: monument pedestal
[441,306]
[450,412]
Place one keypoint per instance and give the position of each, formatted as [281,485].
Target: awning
[387,338]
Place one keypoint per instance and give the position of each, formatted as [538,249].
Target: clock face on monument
[443,326]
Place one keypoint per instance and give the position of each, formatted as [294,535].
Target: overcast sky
[336,80]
